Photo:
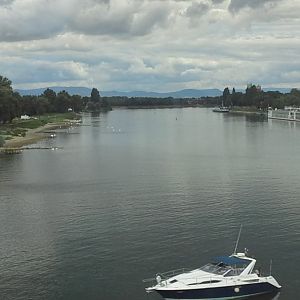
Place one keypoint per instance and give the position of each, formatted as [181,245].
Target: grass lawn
[43,120]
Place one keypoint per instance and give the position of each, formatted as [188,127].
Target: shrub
[2,141]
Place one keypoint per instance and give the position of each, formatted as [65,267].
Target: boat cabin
[228,266]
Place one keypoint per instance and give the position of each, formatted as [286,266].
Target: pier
[287,114]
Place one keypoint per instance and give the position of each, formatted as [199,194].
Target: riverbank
[247,110]
[32,136]
[22,133]
[161,106]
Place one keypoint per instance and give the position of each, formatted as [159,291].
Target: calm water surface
[136,192]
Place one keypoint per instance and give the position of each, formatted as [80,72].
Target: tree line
[13,105]
[254,96]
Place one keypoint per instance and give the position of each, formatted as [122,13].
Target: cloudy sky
[158,45]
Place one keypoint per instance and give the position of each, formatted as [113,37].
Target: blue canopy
[231,260]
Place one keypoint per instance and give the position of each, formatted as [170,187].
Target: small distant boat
[226,277]
[221,109]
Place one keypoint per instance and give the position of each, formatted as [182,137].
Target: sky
[150,45]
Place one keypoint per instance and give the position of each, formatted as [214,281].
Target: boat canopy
[231,260]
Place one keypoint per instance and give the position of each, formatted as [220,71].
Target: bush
[2,141]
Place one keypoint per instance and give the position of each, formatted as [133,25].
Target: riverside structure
[289,113]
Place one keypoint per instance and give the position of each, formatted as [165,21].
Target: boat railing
[166,275]
[194,280]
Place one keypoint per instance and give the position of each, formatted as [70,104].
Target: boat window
[173,281]
[206,282]
[218,269]
[212,281]
[234,272]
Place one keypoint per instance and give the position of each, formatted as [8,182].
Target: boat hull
[229,292]
[221,109]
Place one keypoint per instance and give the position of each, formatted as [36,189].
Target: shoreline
[248,112]
[34,135]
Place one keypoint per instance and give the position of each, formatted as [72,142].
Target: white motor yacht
[226,277]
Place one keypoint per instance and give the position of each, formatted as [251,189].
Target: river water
[136,192]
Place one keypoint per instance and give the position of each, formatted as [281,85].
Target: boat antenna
[238,239]
[271,267]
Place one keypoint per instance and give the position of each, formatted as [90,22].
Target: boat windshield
[216,268]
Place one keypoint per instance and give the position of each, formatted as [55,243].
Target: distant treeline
[154,101]
[254,96]
[14,105]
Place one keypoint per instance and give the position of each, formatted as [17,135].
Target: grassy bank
[247,110]
[24,132]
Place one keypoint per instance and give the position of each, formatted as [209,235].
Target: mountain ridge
[84,91]
[184,93]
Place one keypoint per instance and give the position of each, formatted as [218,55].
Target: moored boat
[221,109]
[225,277]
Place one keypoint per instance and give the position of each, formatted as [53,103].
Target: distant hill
[281,90]
[186,93]
[83,91]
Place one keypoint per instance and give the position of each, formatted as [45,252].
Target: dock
[287,114]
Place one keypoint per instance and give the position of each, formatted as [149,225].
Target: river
[136,192]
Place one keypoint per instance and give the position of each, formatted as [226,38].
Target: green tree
[95,96]
[52,99]
[76,103]
[49,94]
[5,85]
[9,101]
[2,141]
[226,97]
[63,102]
[252,95]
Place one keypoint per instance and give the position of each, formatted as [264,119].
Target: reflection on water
[91,220]
[274,296]
[256,118]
